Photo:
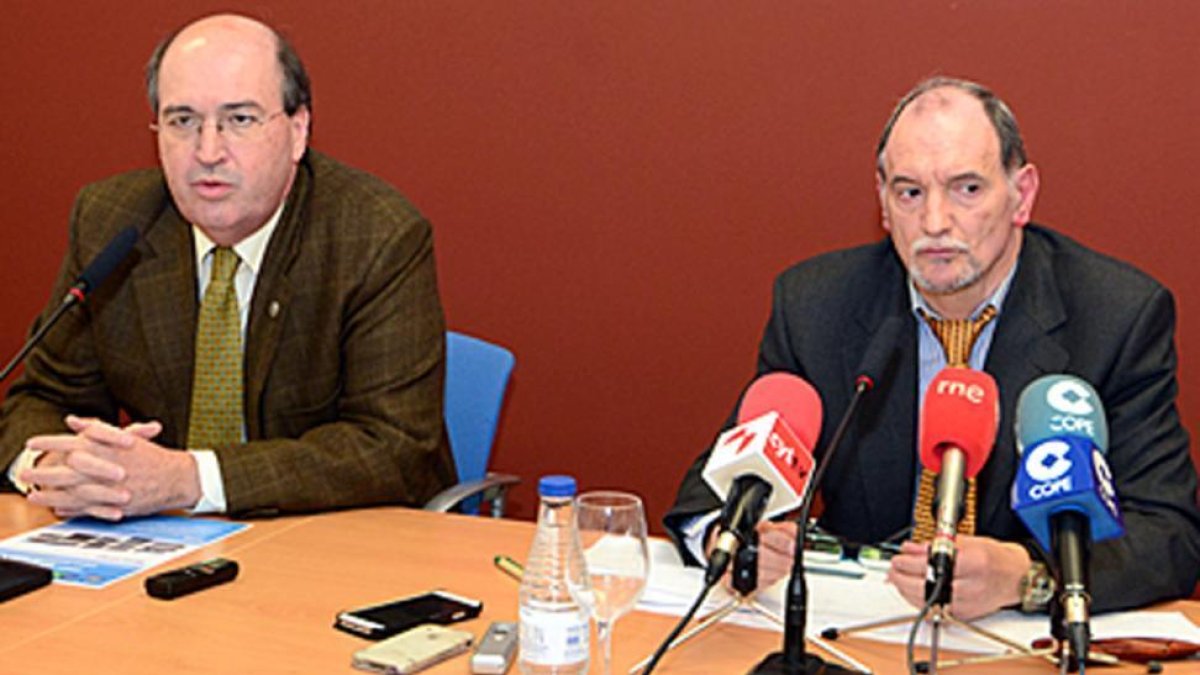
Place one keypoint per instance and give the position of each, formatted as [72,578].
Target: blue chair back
[477,375]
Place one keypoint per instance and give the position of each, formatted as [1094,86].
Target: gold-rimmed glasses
[241,124]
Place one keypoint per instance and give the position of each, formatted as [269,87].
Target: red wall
[615,184]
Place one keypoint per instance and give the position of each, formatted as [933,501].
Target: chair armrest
[492,486]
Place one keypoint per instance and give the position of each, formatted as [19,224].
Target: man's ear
[299,122]
[1026,181]
[881,191]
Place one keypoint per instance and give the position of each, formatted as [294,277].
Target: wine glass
[610,578]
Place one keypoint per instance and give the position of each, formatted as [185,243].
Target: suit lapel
[272,296]
[884,435]
[1021,351]
[164,284]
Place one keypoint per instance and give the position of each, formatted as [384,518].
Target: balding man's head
[1012,146]
[295,91]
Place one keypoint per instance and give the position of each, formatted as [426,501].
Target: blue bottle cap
[556,486]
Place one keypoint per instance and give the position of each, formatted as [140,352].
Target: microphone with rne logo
[959,417]
[761,467]
[1064,491]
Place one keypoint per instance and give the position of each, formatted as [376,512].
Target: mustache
[202,175]
[924,243]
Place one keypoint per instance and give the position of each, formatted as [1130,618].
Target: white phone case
[412,650]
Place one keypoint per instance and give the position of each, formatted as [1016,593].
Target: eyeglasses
[827,552]
[241,125]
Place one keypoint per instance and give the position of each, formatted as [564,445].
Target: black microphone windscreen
[880,350]
[108,259]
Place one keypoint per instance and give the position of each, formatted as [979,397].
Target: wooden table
[298,572]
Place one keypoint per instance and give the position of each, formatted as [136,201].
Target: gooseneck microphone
[959,418]
[1063,490]
[794,659]
[117,249]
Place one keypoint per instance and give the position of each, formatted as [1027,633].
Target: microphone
[761,467]
[1060,405]
[958,428]
[1063,491]
[878,355]
[793,659]
[112,255]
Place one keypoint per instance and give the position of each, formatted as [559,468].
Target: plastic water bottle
[554,627]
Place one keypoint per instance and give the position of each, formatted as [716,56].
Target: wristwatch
[1037,588]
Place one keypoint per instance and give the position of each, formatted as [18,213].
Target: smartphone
[384,620]
[412,650]
[18,578]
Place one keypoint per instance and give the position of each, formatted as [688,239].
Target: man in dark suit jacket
[343,334]
[956,193]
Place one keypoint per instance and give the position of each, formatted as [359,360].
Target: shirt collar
[250,250]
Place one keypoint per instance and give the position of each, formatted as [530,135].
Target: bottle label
[553,638]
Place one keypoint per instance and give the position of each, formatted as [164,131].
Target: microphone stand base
[813,665]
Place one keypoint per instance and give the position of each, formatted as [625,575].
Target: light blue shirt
[931,357]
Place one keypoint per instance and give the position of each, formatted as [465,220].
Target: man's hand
[776,551]
[987,575]
[776,546]
[110,473]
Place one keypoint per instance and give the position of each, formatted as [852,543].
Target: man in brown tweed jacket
[342,329]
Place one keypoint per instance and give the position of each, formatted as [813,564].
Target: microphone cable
[913,667]
[662,648]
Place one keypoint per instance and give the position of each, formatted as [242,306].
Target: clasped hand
[109,472]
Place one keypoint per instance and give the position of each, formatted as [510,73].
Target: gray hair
[297,91]
[1012,147]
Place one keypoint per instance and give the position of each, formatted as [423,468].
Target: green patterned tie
[216,415]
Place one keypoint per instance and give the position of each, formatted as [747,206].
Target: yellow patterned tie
[216,414]
[957,337]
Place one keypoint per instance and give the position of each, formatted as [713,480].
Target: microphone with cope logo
[761,467]
[1064,490]
[1062,437]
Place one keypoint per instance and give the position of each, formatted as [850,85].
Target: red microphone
[778,424]
[959,418]
[763,465]
[794,399]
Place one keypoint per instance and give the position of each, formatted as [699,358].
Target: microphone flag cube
[765,447]
[1066,473]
